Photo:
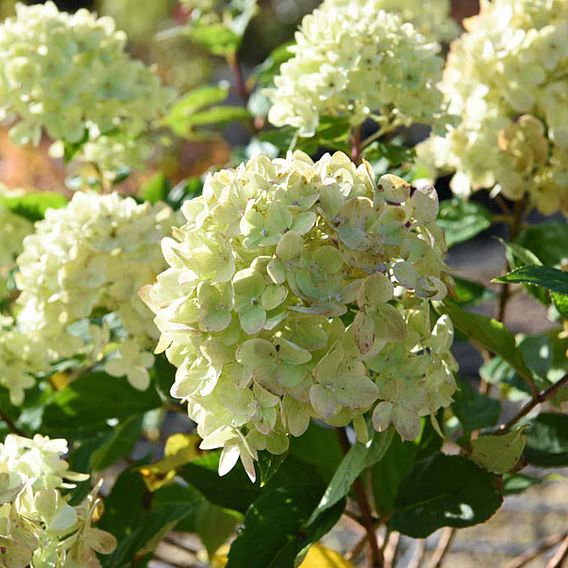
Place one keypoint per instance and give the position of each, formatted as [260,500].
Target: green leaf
[33,206]
[543,276]
[216,38]
[265,72]
[473,409]
[319,447]
[143,540]
[233,491]
[156,188]
[358,458]
[389,472]
[276,530]
[547,241]
[470,293]
[214,525]
[218,115]
[499,453]
[193,102]
[518,483]
[444,491]
[118,444]
[560,302]
[490,334]
[86,405]
[547,440]
[462,220]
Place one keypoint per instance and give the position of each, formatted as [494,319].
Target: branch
[356,145]
[443,547]
[418,556]
[11,424]
[536,551]
[557,561]
[363,502]
[535,401]
[240,83]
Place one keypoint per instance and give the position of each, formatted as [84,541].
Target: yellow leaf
[179,450]
[60,380]
[321,557]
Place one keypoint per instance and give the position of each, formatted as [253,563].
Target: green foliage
[547,241]
[543,276]
[33,206]
[499,453]
[547,440]
[473,409]
[489,334]
[276,528]
[85,406]
[444,491]
[469,293]
[462,220]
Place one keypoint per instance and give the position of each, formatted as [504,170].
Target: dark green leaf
[470,293]
[33,206]
[319,447]
[543,276]
[233,491]
[389,472]
[547,241]
[547,440]
[118,444]
[86,405]
[490,334]
[462,220]
[444,491]
[358,458]
[473,409]
[275,528]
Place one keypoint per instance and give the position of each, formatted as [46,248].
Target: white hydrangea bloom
[298,290]
[22,356]
[38,527]
[352,59]
[88,260]
[13,229]
[70,75]
[507,78]
[431,18]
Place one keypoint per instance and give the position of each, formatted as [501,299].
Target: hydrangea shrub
[251,353]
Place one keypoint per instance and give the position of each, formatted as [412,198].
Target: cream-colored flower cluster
[507,78]
[13,229]
[298,290]
[38,526]
[354,60]
[22,356]
[71,76]
[85,262]
[431,18]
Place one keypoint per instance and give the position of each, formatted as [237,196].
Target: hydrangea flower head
[70,76]
[296,290]
[507,79]
[354,60]
[88,260]
[431,18]
[38,527]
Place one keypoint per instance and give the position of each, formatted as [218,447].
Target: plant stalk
[363,502]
